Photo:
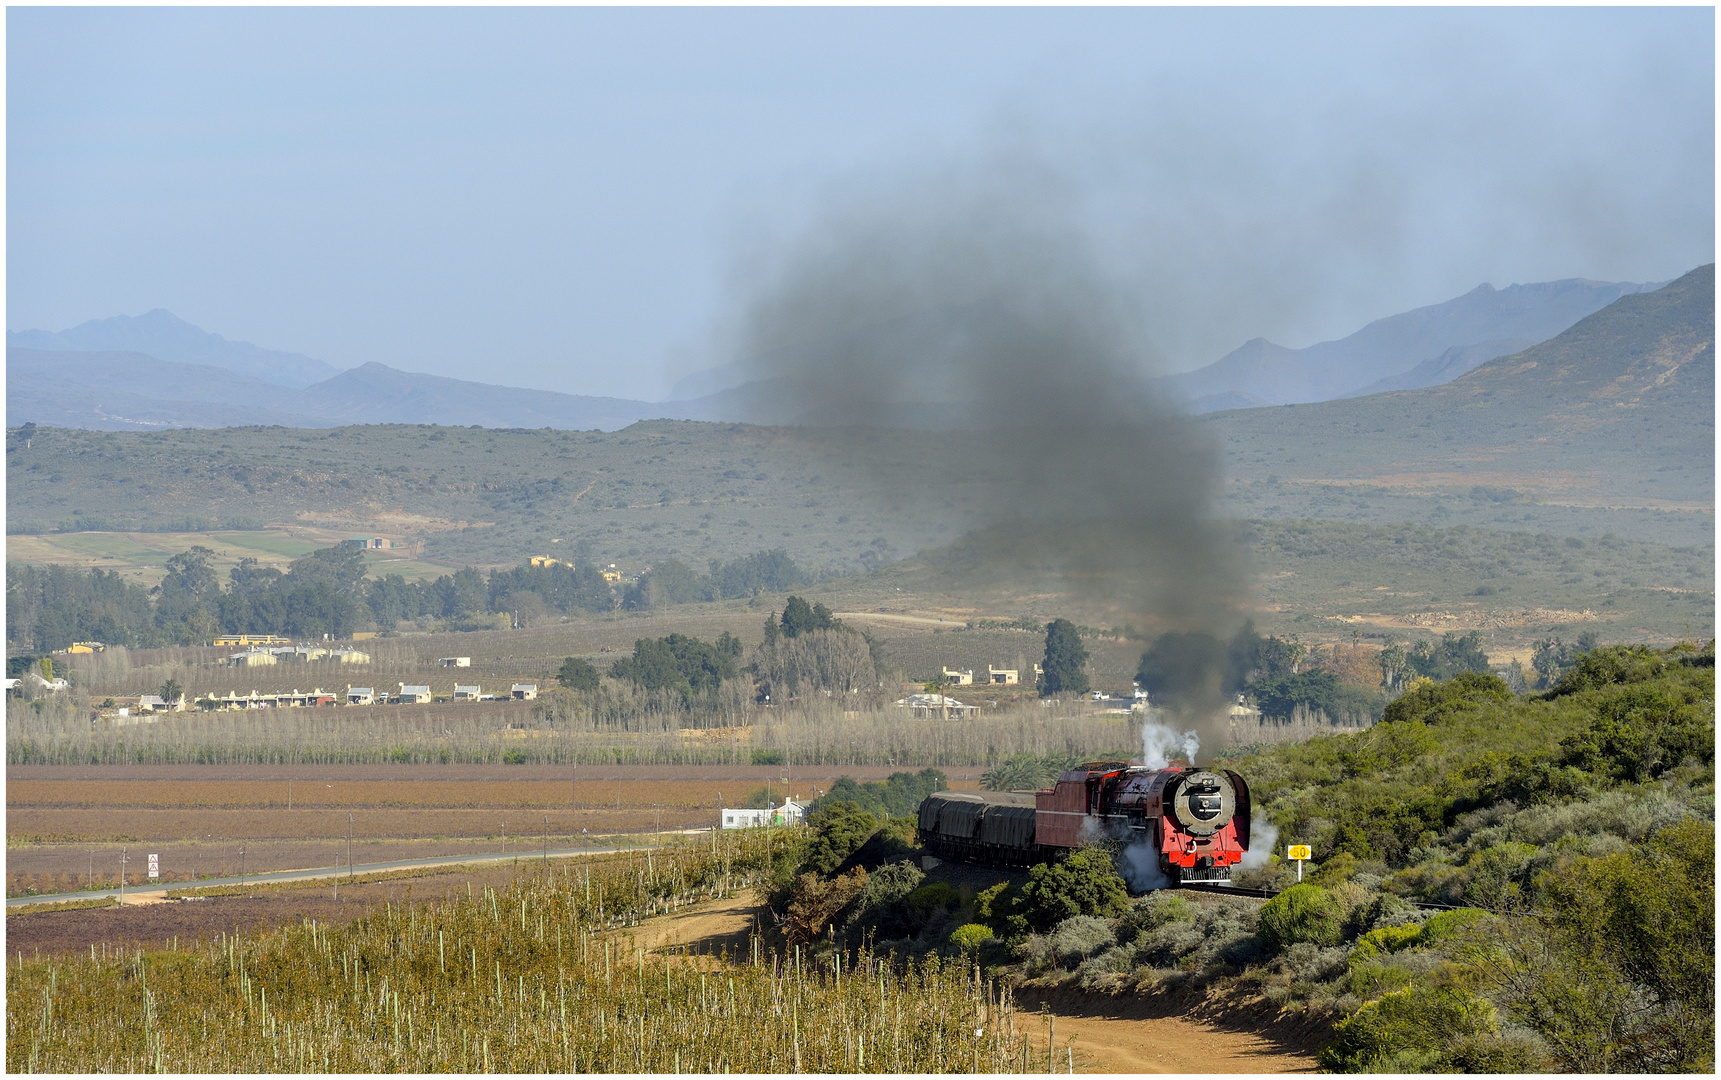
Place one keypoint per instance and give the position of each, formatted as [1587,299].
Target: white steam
[1140,869]
[1160,745]
[1263,842]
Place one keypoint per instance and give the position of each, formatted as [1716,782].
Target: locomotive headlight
[1204,802]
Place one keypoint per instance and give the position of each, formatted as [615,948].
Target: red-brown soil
[66,826]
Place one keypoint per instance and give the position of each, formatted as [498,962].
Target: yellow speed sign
[1298,852]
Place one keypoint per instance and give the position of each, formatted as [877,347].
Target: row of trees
[805,652]
[674,582]
[327,592]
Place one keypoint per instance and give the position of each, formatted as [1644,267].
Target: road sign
[1299,852]
[154,867]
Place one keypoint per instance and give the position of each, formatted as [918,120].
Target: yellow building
[86,647]
[546,561]
[249,639]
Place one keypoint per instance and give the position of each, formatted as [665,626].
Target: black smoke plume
[974,325]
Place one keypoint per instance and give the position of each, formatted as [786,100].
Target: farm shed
[456,661]
[524,691]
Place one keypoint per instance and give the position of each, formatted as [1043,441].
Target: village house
[936,707]
[790,813]
[360,695]
[413,695]
[524,691]
[998,676]
[958,678]
[466,693]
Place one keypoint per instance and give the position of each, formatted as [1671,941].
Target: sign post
[1299,852]
[154,866]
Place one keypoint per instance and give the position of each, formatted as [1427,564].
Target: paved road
[518,855]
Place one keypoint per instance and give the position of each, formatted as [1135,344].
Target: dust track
[1111,1035]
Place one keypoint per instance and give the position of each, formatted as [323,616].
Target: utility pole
[546,840]
[121,900]
[241,869]
[349,847]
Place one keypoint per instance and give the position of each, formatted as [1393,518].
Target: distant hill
[122,391]
[378,394]
[119,391]
[165,336]
[1619,410]
[1403,351]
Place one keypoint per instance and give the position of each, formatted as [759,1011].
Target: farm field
[61,931]
[67,825]
[142,556]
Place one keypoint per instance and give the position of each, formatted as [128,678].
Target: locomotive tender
[1196,819]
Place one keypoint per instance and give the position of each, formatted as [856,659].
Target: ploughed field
[68,825]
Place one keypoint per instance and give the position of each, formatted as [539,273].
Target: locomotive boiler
[1197,820]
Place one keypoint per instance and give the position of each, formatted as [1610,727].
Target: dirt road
[1157,1044]
[1110,1035]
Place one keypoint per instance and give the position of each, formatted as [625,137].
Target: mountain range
[165,336]
[1424,347]
[1616,411]
[157,371]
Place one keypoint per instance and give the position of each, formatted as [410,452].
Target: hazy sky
[583,199]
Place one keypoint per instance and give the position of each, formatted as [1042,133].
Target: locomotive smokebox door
[1204,803]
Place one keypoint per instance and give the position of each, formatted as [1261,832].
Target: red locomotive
[1196,819]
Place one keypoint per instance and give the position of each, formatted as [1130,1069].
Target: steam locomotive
[1196,819]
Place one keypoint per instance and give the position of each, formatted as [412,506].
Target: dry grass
[866,731]
[538,977]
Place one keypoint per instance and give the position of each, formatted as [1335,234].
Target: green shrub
[1388,939]
[1335,870]
[839,830]
[1431,702]
[1499,875]
[1407,1030]
[1610,665]
[1082,883]
[1303,912]
[992,907]
[577,674]
[927,900]
[882,906]
[971,936]
[1156,909]
[1081,936]
[1642,732]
